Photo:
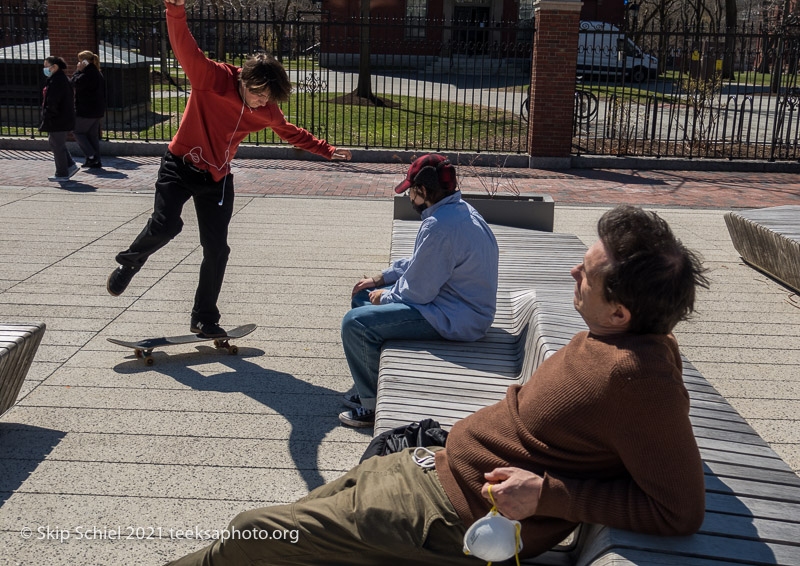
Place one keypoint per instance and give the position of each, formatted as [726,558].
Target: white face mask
[493,538]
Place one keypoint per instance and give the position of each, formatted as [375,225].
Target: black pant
[177,182]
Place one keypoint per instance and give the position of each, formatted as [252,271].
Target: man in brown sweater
[599,434]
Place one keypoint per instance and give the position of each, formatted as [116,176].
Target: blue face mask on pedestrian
[46,71]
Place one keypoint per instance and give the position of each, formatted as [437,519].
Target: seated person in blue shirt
[446,289]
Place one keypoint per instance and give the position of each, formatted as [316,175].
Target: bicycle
[586,104]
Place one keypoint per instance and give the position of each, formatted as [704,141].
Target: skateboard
[144,348]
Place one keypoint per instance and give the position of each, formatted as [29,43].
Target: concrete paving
[104,458]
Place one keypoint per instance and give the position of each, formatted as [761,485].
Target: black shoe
[352,400]
[119,279]
[207,329]
[359,418]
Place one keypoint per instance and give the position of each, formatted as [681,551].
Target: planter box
[534,212]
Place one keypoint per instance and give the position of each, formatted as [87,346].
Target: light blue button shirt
[452,276]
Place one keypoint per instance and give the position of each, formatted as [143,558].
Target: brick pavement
[695,189]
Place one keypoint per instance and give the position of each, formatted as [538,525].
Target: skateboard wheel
[138,353]
[234,350]
[149,360]
[218,343]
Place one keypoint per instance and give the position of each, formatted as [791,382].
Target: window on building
[416,15]
[525,10]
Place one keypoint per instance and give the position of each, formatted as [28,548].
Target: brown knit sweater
[605,421]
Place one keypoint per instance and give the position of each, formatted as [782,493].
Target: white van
[604,50]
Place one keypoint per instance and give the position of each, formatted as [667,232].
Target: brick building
[473,11]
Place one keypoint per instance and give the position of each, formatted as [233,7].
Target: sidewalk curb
[683,164]
[401,156]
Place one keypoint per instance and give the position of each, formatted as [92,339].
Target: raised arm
[198,68]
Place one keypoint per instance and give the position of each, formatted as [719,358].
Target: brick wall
[553,79]
[71,29]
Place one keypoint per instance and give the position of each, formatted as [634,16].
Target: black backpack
[427,432]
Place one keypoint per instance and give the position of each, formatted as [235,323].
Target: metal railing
[690,92]
[435,85]
[664,91]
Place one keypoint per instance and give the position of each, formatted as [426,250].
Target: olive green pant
[387,510]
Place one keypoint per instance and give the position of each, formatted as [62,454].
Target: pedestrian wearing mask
[90,106]
[58,116]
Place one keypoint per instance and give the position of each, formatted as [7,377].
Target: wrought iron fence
[23,47]
[433,85]
[689,92]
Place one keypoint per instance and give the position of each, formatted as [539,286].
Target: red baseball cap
[430,170]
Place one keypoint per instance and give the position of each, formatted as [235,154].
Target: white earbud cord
[196,158]
[427,460]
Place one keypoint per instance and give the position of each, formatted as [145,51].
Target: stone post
[72,29]
[555,52]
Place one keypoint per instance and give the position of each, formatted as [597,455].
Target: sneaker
[96,164]
[359,418]
[72,170]
[207,329]
[119,279]
[352,400]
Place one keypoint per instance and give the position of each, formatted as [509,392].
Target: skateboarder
[227,103]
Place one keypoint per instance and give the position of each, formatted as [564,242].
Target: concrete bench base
[769,239]
[18,345]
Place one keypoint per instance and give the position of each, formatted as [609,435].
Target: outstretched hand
[515,491]
[176,2]
[341,154]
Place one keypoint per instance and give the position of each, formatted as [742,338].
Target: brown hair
[651,272]
[91,57]
[262,71]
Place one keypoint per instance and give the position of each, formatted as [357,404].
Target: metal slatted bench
[752,495]
[18,345]
[769,239]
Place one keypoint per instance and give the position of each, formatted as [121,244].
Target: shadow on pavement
[76,187]
[300,403]
[106,174]
[633,178]
[24,448]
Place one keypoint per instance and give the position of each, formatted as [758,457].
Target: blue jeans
[364,330]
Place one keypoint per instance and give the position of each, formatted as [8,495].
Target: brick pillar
[71,28]
[555,52]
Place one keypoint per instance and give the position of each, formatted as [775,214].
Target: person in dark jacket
[90,106]
[58,116]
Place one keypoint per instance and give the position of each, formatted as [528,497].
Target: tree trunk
[777,65]
[165,55]
[364,78]
[729,56]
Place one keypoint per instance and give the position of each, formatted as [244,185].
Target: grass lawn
[641,96]
[746,77]
[410,123]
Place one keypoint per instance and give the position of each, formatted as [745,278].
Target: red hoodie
[209,131]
